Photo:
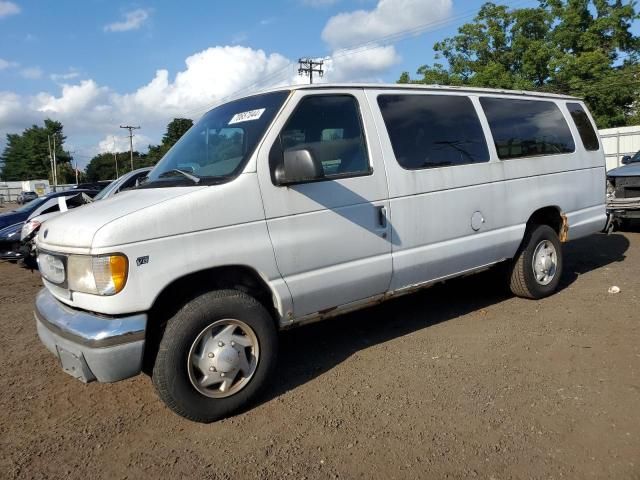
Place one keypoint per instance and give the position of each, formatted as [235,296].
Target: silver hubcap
[223,358]
[545,262]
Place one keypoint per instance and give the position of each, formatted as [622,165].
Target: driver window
[329,126]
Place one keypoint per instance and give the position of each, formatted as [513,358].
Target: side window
[131,182]
[527,128]
[329,126]
[428,131]
[584,126]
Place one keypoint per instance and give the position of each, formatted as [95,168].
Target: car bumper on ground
[89,346]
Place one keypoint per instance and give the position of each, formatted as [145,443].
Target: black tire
[523,282]
[170,371]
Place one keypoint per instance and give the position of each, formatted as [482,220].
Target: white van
[303,203]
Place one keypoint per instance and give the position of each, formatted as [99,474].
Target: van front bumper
[89,346]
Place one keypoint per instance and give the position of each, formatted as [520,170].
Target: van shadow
[312,350]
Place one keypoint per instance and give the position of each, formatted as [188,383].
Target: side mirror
[626,159]
[298,166]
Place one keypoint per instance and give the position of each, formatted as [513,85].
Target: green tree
[577,47]
[26,155]
[103,165]
[175,129]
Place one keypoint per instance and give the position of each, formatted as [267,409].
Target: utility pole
[308,65]
[55,167]
[115,157]
[76,165]
[130,128]
[50,158]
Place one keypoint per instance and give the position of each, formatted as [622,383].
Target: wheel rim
[545,262]
[223,358]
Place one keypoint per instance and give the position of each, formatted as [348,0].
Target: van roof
[411,86]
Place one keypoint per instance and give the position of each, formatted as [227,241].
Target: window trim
[477,112]
[527,99]
[568,104]
[278,143]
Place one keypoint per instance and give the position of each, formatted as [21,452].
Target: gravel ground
[461,380]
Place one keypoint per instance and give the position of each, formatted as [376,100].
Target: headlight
[51,268]
[99,275]
[611,188]
[28,228]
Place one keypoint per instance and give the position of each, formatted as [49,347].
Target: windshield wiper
[195,179]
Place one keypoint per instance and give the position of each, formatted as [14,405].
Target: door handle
[382,216]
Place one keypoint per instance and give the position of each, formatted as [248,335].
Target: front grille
[627,187]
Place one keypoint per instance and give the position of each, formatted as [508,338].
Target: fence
[618,142]
[9,194]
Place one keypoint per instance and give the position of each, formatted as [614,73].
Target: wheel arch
[554,217]
[174,295]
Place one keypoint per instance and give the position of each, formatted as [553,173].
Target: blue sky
[95,64]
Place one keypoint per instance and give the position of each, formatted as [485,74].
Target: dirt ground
[461,380]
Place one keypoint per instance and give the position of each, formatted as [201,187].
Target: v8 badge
[142,260]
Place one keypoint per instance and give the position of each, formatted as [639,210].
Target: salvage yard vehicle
[623,191]
[30,215]
[18,241]
[303,203]
[26,197]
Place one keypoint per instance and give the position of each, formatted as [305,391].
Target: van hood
[77,227]
[629,170]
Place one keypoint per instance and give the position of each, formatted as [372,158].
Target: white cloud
[120,143]
[8,8]
[363,65]
[75,99]
[62,77]
[91,112]
[31,73]
[132,21]
[209,76]
[387,18]
[4,64]
[9,104]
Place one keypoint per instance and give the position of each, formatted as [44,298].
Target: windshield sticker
[247,116]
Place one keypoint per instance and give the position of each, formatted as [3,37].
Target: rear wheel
[536,270]
[217,352]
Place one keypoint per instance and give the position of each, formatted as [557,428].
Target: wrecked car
[623,191]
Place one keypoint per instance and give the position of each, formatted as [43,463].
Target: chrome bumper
[623,203]
[91,347]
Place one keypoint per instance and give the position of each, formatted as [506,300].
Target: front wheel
[217,352]
[536,270]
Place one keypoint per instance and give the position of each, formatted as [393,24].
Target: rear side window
[583,124]
[429,131]
[527,128]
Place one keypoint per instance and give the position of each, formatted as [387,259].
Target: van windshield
[217,147]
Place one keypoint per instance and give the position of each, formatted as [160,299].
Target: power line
[353,50]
